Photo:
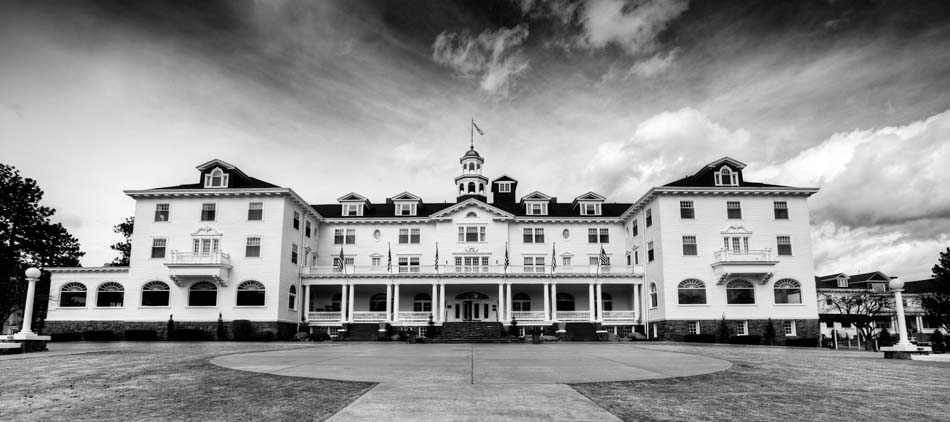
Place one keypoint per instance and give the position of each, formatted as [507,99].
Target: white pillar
[396,302]
[501,314]
[344,303]
[590,301]
[636,301]
[901,323]
[350,302]
[389,302]
[554,301]
[306,301]
[547,302]
[32,275]
[508,300]
[435,303]
[442,302]
[600,302]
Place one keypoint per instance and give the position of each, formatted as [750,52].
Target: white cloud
[843,249]
[655,65]
[633,27]
[492,56]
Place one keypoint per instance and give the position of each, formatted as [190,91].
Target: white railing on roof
[462,270]
[211,258]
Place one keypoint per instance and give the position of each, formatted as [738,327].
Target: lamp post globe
[896,284]
[33,272]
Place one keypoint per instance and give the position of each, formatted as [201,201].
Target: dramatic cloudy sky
[375,97]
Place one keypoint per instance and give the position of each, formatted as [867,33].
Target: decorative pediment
[535,196]
[406,196]
[206,231]
[352,197]
[736,229]
[376,255]
[738,165]
[590,196]
[471,203]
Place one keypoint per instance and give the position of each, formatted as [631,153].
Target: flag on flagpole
[389,258]
[553,257]
[339,263]
[477,129]
[604,260]
[436,256]
[506,256]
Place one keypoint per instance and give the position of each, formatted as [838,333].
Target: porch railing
[528,315]
[211,258]
[754,255]
[414,316]
[369,316]
[323,316]
[573,315]
[463,270]
[620,315]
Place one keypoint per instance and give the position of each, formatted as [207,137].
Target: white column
[508,302]
[547,302]
[501,314]
[306,301]
[590,301]
[350,302]
[600,302]
[636,301]
[901,323]
[396,302]
[442,302]
[344,303]
[554,301]
[32,275]
[435,303]
[389,302]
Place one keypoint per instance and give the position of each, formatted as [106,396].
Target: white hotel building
[674,262]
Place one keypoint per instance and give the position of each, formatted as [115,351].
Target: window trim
[164,248]
[257,207]
[780,206]
[209,209]
[694,244]
[687,210]
[247,244]
[166,212]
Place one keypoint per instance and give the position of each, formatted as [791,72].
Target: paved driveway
[439,382]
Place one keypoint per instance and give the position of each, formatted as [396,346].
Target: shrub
[700,338]
[72,336]
[189,334]
[320,337]
[753,339]
[98,335]
[242,330]
[884,338]
[637,336]
[802,342]
[302,336]
[141,335]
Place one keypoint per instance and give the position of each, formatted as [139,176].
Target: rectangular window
[341,236]
[351,210]
[692,327]
[534,235]
[534,264]
[742,328]
[567,261]
[604,236]
[306,230]
[733,209]
[504,187]
[253,248]
[472,234]
[650,251]
[784,245]
[689,245]
[591,235]
[649,217]
[636,257]
[790,329]
[376,261]
[598,235]
[595,260]
[347,261]
[293,253]
[296,220]
[408,264]
[687,210]
[161,212]
[409,235]
[406,209]
[636,230]
[207,212]
[781,210]
[255,211]
[590,209]
[471,264]
[537,209]
[158,248]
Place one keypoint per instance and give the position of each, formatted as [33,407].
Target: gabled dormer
[406,204]
[589,203]
[725,172]
[536,203]
[353,205]
[842,281]
[504,189]
[217,174]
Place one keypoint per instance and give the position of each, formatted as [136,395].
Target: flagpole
[471,130]
[389,269]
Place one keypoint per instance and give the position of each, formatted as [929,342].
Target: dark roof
[252,183]
[690,181]
[930,285]
[504,178]
[389,210]
[856,281]
[705,176]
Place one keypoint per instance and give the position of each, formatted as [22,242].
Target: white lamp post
[26,333]
[903,349]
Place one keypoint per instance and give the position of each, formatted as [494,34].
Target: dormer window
[590,208]
[504,187]
[216,179]
[536,208]
[352,210]
[726,177]
[406,209]
[842,282]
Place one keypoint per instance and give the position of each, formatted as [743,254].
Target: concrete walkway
[438,382]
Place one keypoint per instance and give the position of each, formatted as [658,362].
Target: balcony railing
[189,258]
[620,315]
[573,315]
[528,315]
[414,316]
[369,316]
[324,316]
[465,270]
[752,255]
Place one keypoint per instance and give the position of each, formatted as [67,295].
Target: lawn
[163,382]
[784,384]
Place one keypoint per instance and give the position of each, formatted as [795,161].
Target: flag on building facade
[506,256]
[436,256]
[389,258]
[553,257]
[604,260]
[339,263]
[478,129]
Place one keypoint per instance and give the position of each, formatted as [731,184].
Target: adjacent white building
[675,262]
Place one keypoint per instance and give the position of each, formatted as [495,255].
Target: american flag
[437,256]
[339,263]
[604,260]
[506,256]
[389,258]
[553,257]
[477,129]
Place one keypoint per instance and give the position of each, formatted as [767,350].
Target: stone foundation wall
[272,329]
[677,330]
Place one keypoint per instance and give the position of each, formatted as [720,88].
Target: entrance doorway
[472,306]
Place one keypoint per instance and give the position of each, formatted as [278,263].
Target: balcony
[414,316]
[753,264]
[324,316]
[573,316]
[617,316]
[513,271]
[185,266]
[369,316]
[528,315]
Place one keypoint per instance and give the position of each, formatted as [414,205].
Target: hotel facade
[676,261]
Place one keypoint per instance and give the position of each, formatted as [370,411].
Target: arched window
[471,214]
[292,298]
[521,302]
[72,295]
[250,293]
[203,293]
[692,292]
[461,188]
[422,302]
[653,299]
[607,301]
[565,302]
[377,303]
[740,292]
[481,188]
[155,293]
[335,302]
[471,187]
[788,291]
[110,295]
[726,177]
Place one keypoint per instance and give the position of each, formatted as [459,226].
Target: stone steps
[362,332]
[471,330]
